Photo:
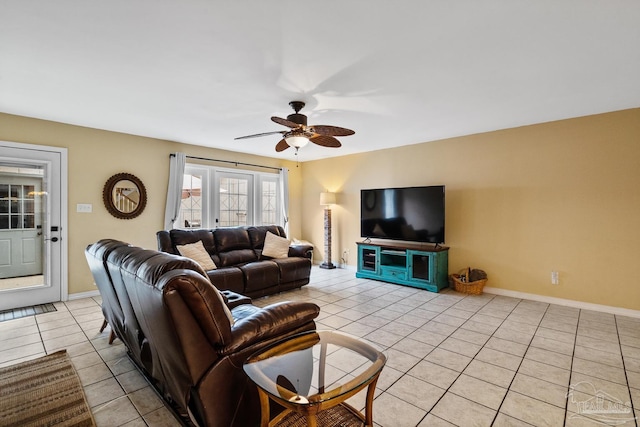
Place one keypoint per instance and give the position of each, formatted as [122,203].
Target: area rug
[43,392]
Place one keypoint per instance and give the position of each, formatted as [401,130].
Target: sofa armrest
[272,321]
[232,299]
[164,242]
[304,251]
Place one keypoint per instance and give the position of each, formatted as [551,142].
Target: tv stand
[411,264]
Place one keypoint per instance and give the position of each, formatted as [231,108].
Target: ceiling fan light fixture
[297,141]
[300,134]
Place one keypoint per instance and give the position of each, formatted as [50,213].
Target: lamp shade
[297,141]
[327,198]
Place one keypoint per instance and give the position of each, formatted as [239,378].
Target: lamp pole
[327,199]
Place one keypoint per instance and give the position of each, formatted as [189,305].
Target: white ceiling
[397,72]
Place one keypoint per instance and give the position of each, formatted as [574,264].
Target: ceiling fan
[299,133]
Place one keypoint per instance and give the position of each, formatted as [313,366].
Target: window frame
[210,194]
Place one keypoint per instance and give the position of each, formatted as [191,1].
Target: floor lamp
[327,199]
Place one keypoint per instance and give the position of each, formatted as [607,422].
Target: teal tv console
[422,266]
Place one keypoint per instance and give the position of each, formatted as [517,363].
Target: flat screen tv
[413,214]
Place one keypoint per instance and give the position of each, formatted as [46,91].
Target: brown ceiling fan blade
[284,122]
[282,145]
[261,134]
[325,141]
[331,130]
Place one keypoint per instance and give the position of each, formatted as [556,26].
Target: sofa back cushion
[208,306]
[133,336]
[185,237]
[234,246]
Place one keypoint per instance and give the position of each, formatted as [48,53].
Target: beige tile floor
[453,359]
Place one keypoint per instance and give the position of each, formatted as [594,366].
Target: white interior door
[20,222]
[32,222]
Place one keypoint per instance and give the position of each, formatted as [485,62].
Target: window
[214,197]
[17,206]
[191,204]
[20,197]
[269,203]
[235,195]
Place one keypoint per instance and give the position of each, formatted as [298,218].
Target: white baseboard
[566,302]
[80,295]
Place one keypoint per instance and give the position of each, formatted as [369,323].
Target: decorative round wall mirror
[124,196]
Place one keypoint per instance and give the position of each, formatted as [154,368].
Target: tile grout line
[483,346]
[435,347]
[573,355]
[406,336]
[472,358]
[125,393]
[624,369]
[519,364]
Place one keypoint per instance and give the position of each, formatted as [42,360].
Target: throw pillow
[275,246]
[198,253]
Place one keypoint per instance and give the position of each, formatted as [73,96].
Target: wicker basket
[461,285]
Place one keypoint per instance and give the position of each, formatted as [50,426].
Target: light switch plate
[84,207]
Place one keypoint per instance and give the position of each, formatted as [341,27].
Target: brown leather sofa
[241,267]
[187,338]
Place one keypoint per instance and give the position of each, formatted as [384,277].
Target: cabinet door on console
[421,266]
[368,259]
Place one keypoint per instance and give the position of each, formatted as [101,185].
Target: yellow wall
[520,203]
[95,155]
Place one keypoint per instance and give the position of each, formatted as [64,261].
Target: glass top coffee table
[312,375]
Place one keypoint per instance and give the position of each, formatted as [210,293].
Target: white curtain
[284,197]
[174,191]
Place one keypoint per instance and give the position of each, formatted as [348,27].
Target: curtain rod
[229,161]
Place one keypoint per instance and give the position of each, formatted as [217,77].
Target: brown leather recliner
[116,305]
[193,345]
[237,254]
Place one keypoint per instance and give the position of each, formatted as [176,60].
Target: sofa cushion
[275,246]
[258,233]
[233,246]
[293,269]
[228,278]
[198,253]
[185,237]
[261,275]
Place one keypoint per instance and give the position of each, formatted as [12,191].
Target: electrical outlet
[554,278]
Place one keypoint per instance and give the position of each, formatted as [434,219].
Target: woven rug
[43,392]
[337,416]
